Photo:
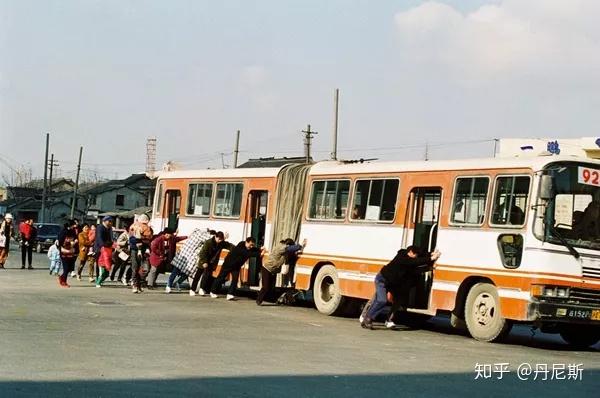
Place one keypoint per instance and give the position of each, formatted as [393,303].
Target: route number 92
[588,176]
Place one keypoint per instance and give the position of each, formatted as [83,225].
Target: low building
[118,196]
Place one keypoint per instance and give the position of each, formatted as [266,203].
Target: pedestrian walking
[237,256]
[103,249]
[121,257]
[91,257]
[28,234]
[7,231]
[54,257]
[69,248]
[272,266]
[84,249]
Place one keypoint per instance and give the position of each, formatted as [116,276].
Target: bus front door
[422,221]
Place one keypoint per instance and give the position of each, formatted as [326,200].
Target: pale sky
[108,74]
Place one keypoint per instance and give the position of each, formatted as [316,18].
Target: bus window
[173,201]
[470,197]
[329,200]
[229,200]
[159,200]
[374,200]
[510,200]
[199,199]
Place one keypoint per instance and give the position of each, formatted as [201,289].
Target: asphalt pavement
[107,342]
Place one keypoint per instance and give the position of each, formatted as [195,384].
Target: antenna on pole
[236,149]
[426,150]
[74,202]
[335,124]
[150,156]
[308,135]
[43,216]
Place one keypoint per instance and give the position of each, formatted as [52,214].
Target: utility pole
[45,179]
[236,150]
[51,164]
[495,145]
[308,135]
[76,184]
[335,124]
[427,150]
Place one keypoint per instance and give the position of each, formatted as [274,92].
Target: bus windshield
[573,215]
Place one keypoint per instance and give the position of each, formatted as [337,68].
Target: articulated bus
[520,237]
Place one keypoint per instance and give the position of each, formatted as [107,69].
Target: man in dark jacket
[397,277]
[207,262]
[238,255]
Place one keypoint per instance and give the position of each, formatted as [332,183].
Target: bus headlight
[549,291]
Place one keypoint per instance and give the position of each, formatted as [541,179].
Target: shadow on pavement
[392,385]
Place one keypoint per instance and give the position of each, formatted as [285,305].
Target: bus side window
[469,203]
[510,200]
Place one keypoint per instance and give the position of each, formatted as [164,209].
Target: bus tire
[326,291]
[483,315]
[580,336]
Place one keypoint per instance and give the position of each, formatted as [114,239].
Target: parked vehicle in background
[47,234]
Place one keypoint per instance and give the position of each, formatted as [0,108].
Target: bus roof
[534,163]
[371,167]
[221,173]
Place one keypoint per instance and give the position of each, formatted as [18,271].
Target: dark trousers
[268,283]
[380,299]
[68,264]
[235,276]
[135,268]
[120,266]
[204,276]
[26,252]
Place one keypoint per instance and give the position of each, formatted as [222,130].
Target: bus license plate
[579,314]
[596,315]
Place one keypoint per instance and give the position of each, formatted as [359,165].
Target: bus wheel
[482,314]
[326,291]
[580,336]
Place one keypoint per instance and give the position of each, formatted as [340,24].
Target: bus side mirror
[546,187]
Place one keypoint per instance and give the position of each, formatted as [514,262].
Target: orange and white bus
[520,237]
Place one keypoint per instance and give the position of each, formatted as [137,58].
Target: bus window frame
[160,198]
[214,205]
[212,199]
[325,220]
[511,226]
[452,204]
[353,190]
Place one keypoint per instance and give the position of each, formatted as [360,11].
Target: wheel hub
[484,309]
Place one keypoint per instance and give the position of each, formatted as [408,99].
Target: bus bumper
[545,311]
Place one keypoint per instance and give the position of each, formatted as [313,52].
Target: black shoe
[22,267]
[30,267]
[367,324]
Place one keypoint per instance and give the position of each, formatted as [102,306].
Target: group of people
[138,256]
[27,234]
